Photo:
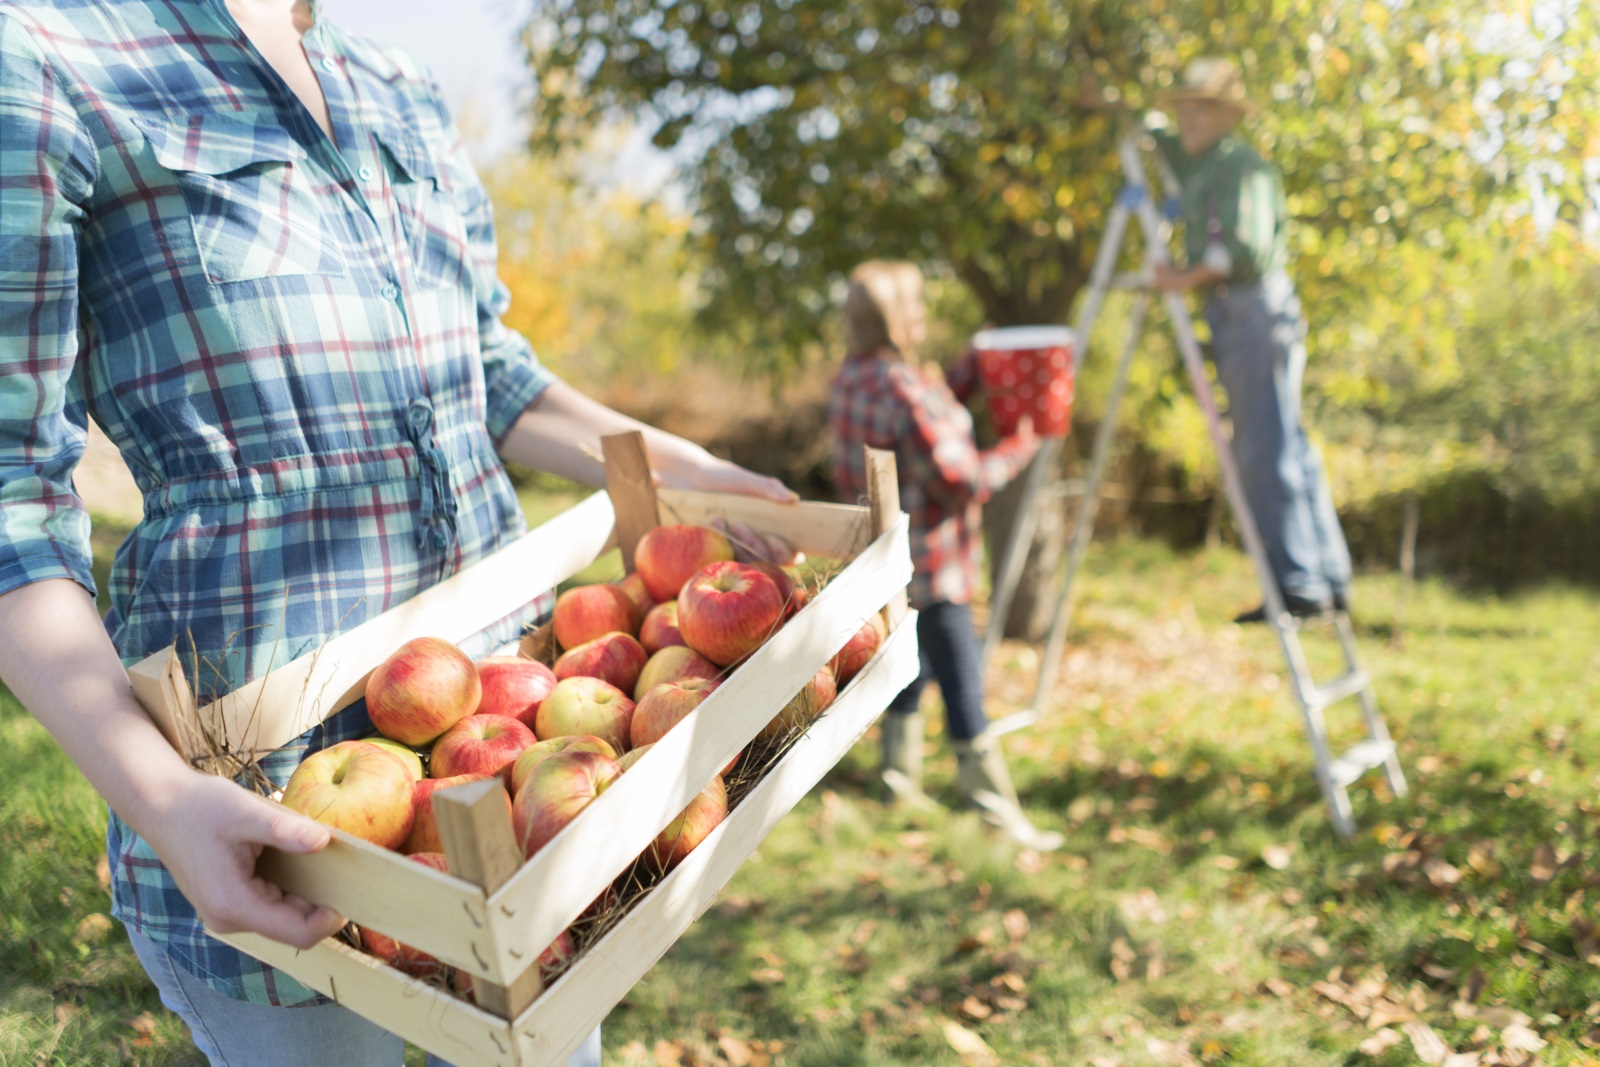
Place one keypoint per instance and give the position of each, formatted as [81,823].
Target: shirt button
[390,292]
[329,65]
[441,539]
[365,174]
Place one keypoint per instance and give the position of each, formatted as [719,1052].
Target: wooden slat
[423,1014]
[883,489]
[372,886]
[271,711]
[632,489]
[833,531]
[480,847]
[569,872]
[560,1020]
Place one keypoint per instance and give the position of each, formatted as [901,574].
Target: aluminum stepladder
[1335,773]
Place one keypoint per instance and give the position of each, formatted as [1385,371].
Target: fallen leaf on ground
[1387,1013]
[1278,987]
[1016,923]
[1429,1046]
[669,1054]
[92,929]
[1521,1038]
[1375,1045]
[1277,857]
[973,1008]
[1544,864]
[736,1052]
[969,1046]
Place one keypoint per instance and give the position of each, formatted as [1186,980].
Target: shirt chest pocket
[250,198]
[435,232]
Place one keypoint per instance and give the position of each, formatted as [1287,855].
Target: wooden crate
[493,914]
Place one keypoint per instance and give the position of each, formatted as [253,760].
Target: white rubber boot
[902,757]
[985,783]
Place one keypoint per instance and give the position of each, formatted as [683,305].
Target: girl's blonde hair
[878,307]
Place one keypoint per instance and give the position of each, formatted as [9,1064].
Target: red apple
[727,610]
[424,835]
[660,627]
[584,613]
[666,706]
[786,586]
[513,686]
[425,688]
[480,744]
[586,706]
[543,750]
[683,834]
[633,585]
[359,788]
[668,556]
[861,647]
[556,791]
[616,657]
[407,754]
[412,961]
[673,664]
[806,706]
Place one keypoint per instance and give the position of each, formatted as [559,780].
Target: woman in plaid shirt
[882,397]
[253,249]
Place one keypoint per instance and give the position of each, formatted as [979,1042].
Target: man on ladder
[1235,222]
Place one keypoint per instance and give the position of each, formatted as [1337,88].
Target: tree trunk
[1034,601]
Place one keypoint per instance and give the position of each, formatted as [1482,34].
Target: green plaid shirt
[1235,218]
[294,341]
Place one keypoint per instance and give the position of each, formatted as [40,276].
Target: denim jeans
[1258,345]
[948,648]
[236,1033]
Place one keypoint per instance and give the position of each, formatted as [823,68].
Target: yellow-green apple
[424,835]
[616,657]
[584,613]
[708,808]
[633,585]
[425,688]
[673,664]
[402,957]
[545,749]
[513,686]
[555,792]
[668,556]
[480,744]
[660,627]
[626,761]
[583,705]
[807,704]
[726,611]
[360,788]
[666,706]
[861,647]
[407,754]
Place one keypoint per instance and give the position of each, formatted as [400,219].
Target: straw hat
[1213,78]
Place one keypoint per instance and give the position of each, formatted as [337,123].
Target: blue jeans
[948,648]
[1258,345]
[236,1033]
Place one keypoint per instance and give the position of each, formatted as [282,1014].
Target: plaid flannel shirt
[886,403]
[295,342]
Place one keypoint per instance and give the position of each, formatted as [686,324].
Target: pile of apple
[637,657]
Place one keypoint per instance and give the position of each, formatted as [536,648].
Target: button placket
[437,522]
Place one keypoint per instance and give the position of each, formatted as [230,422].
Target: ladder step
[1360,758]
[1321,696]
[1012,723]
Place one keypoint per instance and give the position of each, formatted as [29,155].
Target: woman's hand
[687,466]
[210,839]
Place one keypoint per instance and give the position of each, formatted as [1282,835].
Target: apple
[668,556]
[360,788]
[633,585]
[616,657]
[660,627]
[584,613]
[425,688]
[589,706]
[424,835]
[708,808]
[807,704]
[545,749]
[407,754]
[626,761]
[786,586]
[480,744]
[555,792]
[726,611]
[513,686]
[673,664]
[861,647]
[666,706]
[412,961]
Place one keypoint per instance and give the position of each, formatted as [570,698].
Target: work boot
[985,783]
[902,757]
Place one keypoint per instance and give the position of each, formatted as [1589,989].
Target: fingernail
[312,837]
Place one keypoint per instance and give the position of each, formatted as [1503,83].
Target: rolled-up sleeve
[513,376]
[47,170]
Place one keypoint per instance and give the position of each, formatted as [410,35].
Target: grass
[1202,912]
